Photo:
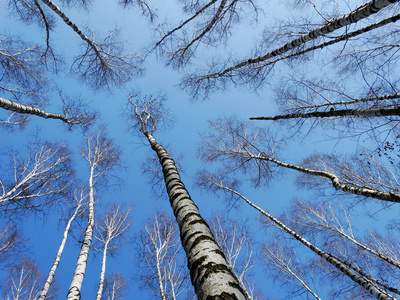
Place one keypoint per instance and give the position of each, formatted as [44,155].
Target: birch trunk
[75,28]
[53,269]
[209,270]
[360,113]
[343,267]
[338,185]
[159,275]
[74,292]
[360,13]
[103,271]
[23,109]
[339,39]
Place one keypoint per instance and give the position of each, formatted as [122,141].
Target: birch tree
[284,265]
[332,224]
[79,206]
[363,171]
[12,246]
[209,271]
[102,156]
[41,179]
[115,287]
[22,282]
[371,111]
[377,288]
[212,23]
[161,267]
[102,63]
[72,114]
[245,148]
[109,233]
[235,242]
[252,70]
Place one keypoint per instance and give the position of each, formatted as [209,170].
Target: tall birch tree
[109,233]
[252,70]
[79,198]
[377,288]
[209,270]
[102,156]
[246,148]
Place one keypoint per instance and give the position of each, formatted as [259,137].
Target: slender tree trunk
[209,271]
[23,109]
[386,196]
[366,248]
[360,113]
[345,267]
[53,269]
[197,13]
[360,13]
[103,272]
[74,292]
[339,39]
[67,21]
[353,101]
[160,283]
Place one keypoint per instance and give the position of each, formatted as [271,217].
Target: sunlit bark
[43,294]
[209,271]
[353,272]
[102,157]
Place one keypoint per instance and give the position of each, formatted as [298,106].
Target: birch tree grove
[295,104]
[209,270]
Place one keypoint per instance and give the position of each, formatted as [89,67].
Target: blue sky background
[44,233]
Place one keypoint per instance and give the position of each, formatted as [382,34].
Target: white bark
[53,269]
[23,109]
[345,268]
[103,272]
[360,113]
[74,292]
[209,271]
[353,17]
[337,184]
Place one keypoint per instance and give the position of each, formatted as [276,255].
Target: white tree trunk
[344,268]
[360,113]
[23,109]
[74,292]
[53,269]
[353,17]
[103,271]
[337,184]
[209,270]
